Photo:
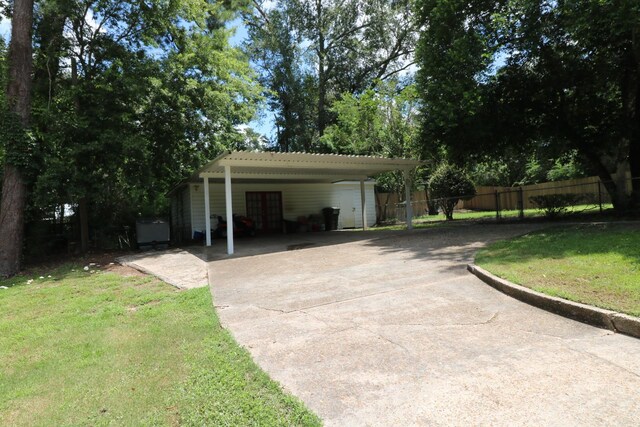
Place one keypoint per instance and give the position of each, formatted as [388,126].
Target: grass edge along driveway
[98,348]
[591,264]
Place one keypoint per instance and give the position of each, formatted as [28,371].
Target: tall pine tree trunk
[322,78]
[83,212]
[14,189]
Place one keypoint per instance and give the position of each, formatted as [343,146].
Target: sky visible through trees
[264,123]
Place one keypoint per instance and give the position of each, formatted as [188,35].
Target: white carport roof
[265,166]
[252,166]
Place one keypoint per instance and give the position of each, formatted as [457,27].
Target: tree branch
[261,11]
[340,37]
[386,76]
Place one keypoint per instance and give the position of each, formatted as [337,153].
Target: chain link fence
[585,196]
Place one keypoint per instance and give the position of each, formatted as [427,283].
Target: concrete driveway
[392,330]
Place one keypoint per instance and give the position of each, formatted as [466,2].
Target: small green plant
[555,205]
[449,184]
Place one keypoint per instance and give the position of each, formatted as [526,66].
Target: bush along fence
[551,199]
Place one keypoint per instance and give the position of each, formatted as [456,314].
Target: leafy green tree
[143,96]
[503,171]
[449,184]
[566,167]
[281,66]
[508,170]
[380,122]
[317,50]
[527,75]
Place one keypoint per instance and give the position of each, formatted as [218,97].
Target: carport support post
[207,212]
[363,205]
[228,201]
[407,192]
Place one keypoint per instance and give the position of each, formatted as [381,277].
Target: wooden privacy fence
[509,198]
[488,198]
[391,205]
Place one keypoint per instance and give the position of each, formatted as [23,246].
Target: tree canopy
[129,98]
[527,75]
[311,52]
[381,121]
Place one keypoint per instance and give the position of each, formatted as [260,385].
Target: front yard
[591,264]
[103,347]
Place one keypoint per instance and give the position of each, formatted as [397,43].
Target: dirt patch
[134,308]
[22,407]
[105,260]
[122,270]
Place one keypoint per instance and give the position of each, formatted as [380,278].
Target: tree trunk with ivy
[14,189]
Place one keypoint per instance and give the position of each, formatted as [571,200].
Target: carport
[263,167]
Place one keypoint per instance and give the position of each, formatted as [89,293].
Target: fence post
[521,202]
[497,205]
[600,195]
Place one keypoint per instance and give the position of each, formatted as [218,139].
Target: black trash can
[331,218]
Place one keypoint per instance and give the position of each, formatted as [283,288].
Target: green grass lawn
[528,213]
[402,226]
[81,348]
[597,264]
[427,221]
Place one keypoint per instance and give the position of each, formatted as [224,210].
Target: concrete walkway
[178,267]
[395,331]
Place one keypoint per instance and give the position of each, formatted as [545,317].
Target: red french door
[265,209]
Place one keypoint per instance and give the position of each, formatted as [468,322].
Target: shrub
[449,184]
[555,205]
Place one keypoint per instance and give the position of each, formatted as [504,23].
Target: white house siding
[297,200]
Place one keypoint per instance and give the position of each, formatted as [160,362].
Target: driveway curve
[390,329]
